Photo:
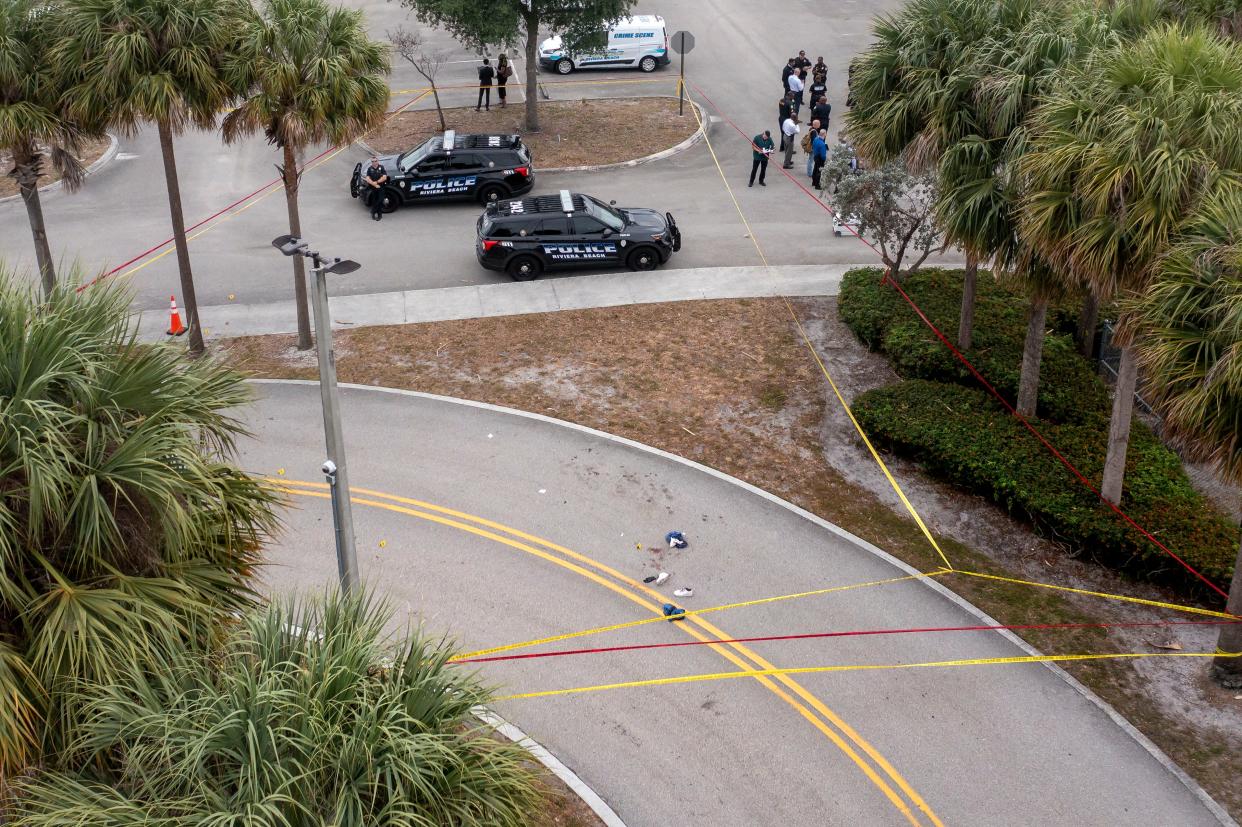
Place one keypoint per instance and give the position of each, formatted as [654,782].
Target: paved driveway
[740,47]
[499,528]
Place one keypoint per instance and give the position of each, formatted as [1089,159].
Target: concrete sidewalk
[514,298]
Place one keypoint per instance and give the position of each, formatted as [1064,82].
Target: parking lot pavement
[123,210]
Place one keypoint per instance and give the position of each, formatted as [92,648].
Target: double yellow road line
[866,757]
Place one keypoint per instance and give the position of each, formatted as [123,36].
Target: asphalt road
[740,48]
[514,528]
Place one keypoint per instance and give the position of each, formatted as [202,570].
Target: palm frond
[310,713]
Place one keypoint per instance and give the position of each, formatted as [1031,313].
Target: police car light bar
[567,201]
[449,141]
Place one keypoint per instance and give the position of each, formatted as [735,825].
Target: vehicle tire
[524,268]
[648,64]
[564,66]
[643,258]
[392,200]
[489,193]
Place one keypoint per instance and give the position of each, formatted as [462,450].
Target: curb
[704,126]
[576,785]
[1146,743]
[107,156]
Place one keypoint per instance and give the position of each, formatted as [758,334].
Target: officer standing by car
[375,178]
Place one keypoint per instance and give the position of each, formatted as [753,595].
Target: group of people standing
[798,77]
[500,74]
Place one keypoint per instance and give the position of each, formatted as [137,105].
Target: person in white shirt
[790,129]
[796,86]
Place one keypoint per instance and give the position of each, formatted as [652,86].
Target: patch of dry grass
[573,133]
[730,384]
[92,150]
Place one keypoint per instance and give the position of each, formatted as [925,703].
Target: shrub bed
[1069,390]
[964,436]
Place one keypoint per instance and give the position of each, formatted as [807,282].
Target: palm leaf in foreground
[125,535]
[310,714]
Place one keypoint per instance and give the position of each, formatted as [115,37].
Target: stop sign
[683,42]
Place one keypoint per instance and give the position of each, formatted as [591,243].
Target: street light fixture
[334,467]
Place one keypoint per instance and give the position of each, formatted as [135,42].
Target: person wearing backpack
[504,71]
[807,140]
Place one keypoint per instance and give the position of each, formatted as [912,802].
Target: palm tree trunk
[290,174]
[1032,355]
[966,322]
[26,173]
[531,21]
[1119,428]
[179,241]
[1228,671]
[1088,318]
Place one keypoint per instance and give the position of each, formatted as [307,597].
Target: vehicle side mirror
[607,232]
[612,203]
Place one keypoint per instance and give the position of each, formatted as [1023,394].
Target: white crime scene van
[633,42]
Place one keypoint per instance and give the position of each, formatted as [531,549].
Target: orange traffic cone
[175,326]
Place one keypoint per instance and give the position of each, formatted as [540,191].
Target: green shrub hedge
[963,435]
[1069,390]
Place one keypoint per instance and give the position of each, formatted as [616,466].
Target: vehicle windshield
[410,159]
[610,217]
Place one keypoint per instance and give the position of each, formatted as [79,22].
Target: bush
[963,435]
[310,713]
[1069,390]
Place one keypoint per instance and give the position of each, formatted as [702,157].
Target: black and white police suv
[451,166]
[551,232]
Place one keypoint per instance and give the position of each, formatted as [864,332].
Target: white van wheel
[647,64]
[564,66]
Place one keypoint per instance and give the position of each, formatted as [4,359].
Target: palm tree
[307,73]
[947,84]
[308,715]
[32,116]
[1121,150]
[151,60]
[125,535]
[1187,333]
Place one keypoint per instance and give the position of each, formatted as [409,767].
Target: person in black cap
[375,177]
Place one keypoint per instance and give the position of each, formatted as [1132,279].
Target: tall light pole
[334,467]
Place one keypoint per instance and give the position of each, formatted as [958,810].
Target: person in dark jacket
[820,71]
[802,61]
[486,74]
[761,151]
[823,111]
[375,177]
[504,71]
[784,110]
[786,72]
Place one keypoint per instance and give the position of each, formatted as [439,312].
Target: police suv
[451,166]
[546,232]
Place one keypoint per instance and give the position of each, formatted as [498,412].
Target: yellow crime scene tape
[861,667]
[892,481]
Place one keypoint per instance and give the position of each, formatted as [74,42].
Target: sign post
[683,42]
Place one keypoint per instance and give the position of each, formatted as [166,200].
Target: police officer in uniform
[375,178]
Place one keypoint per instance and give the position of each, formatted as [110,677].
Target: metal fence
[1110,360]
